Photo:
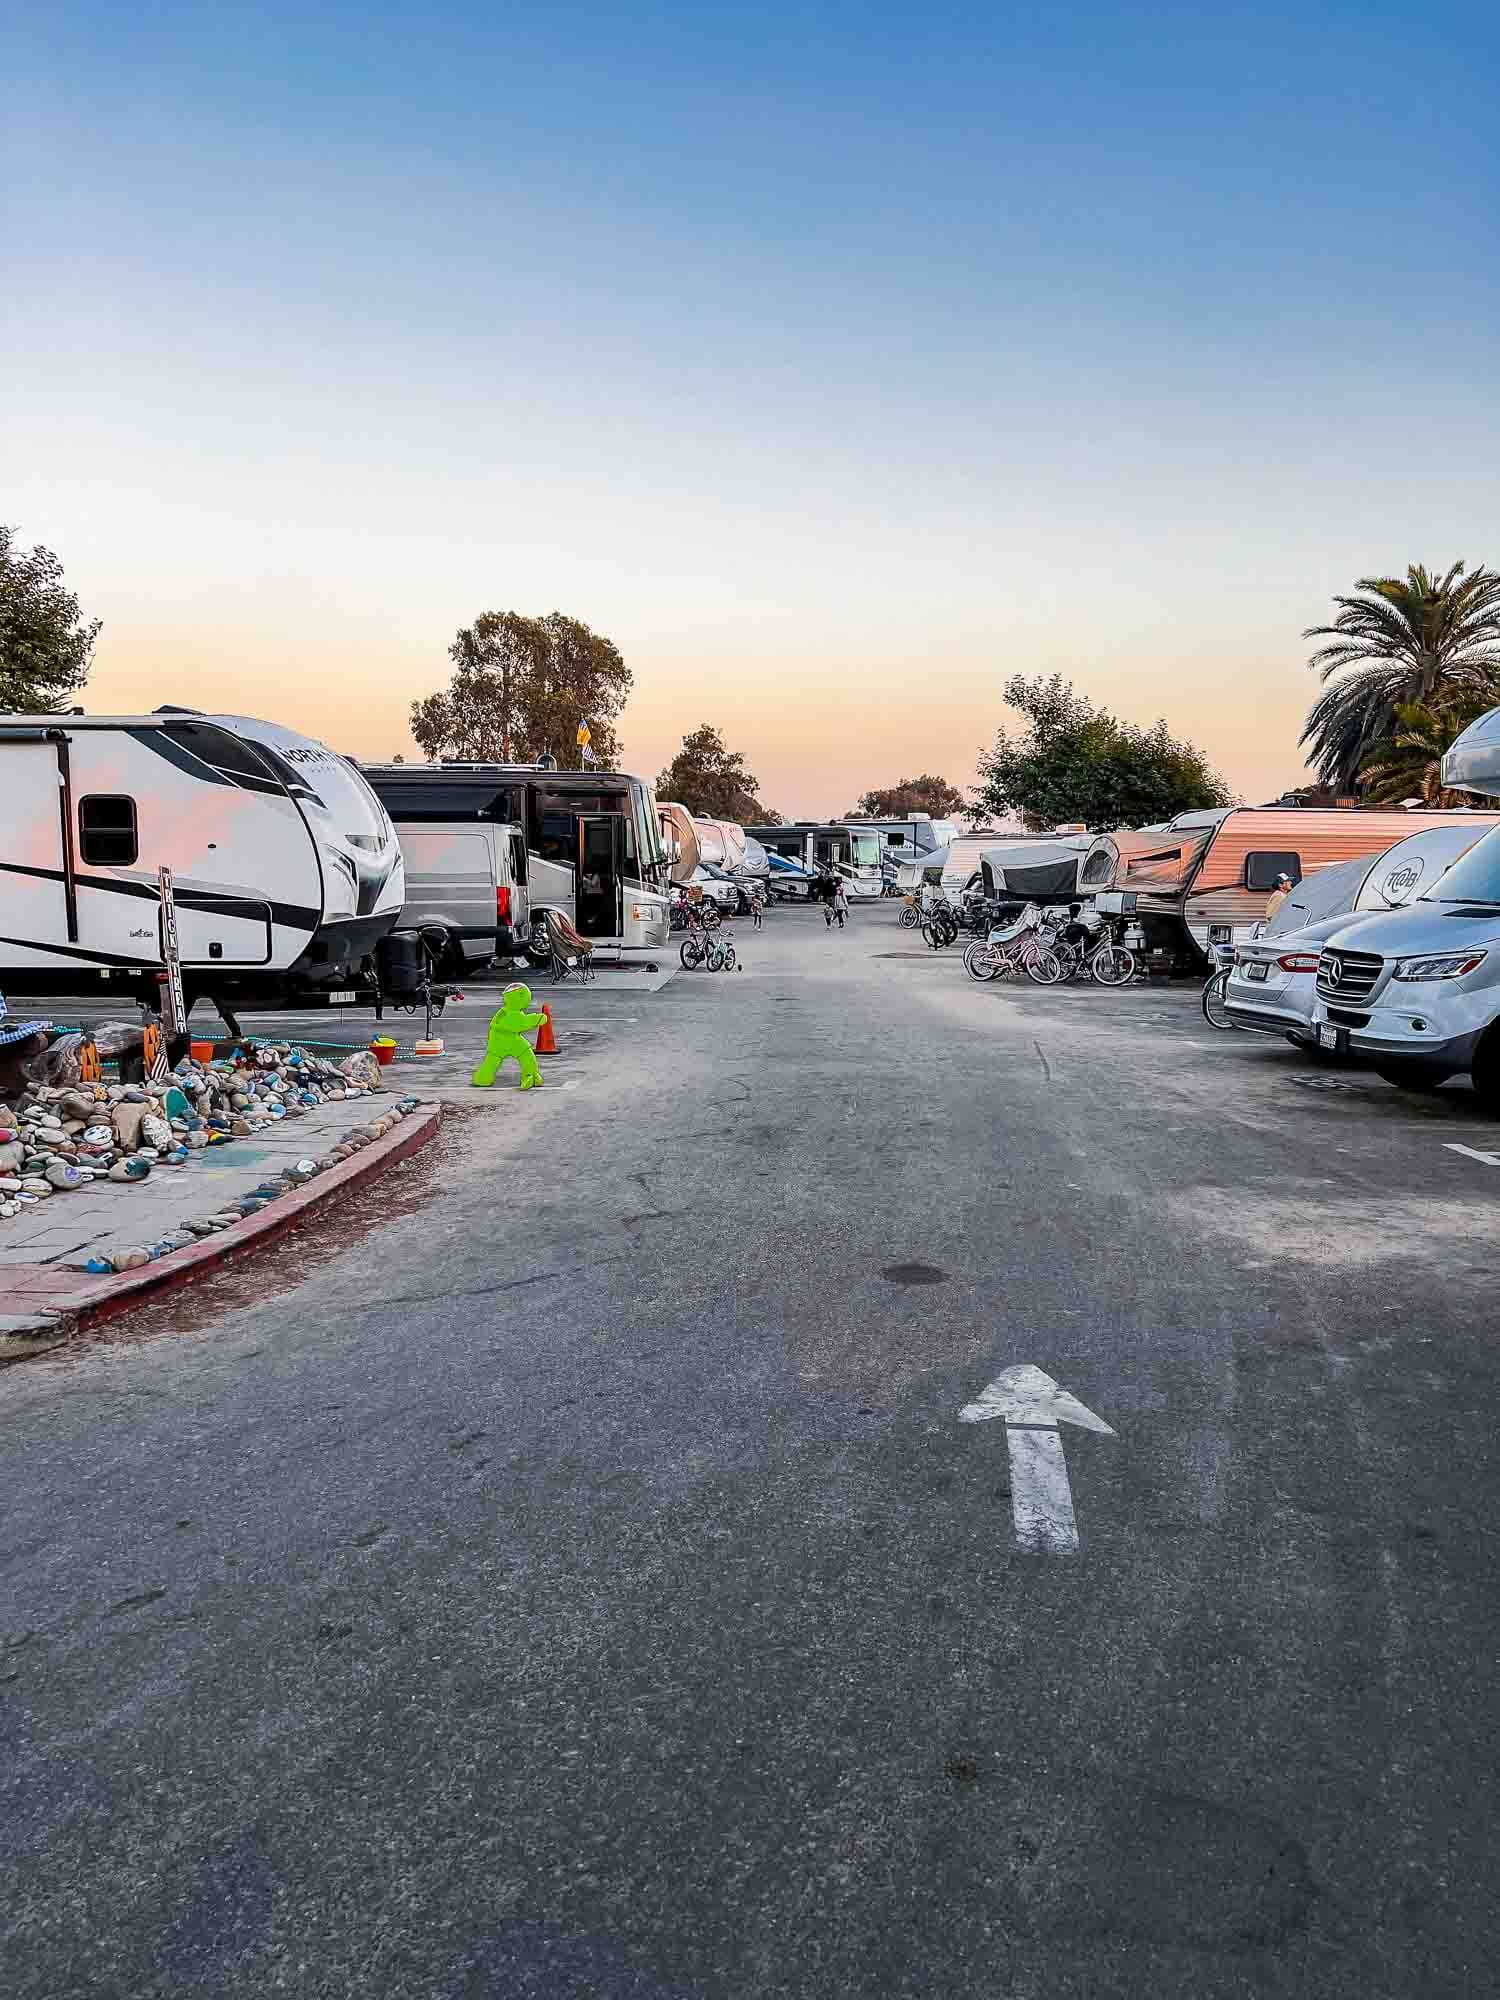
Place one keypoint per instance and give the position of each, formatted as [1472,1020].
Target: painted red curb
[100,1298]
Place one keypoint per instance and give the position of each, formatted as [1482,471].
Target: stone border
[66,1300]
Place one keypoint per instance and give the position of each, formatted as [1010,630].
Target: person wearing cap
[1278,895]
[21,1042]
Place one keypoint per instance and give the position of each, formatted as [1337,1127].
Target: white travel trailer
[286,870]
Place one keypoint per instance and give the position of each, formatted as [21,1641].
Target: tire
[1114,966]
[711,916]
[727,959]
[713,958]
[979,963]
[1412,1076]
[1213,1002]
[932,937]
[1043,969]
[691,952]
[909,919]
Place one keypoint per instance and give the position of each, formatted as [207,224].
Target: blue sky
[837,361]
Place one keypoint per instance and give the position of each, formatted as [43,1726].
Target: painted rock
[99,1135]
[66,1177]
[130,1170]
[131,1259]
[155,1131]
[9,1184]
[127,1119]
[34,1184]
[174,1104]
[133,1095]
[197,1141]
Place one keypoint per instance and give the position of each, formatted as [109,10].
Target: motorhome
[850,848]
[1215,877]
[591,842]
[908,838]
[285,866]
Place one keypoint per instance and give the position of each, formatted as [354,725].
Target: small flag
[584,738]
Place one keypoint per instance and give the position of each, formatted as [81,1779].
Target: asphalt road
[581,1585]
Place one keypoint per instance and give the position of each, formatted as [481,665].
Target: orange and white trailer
[1189,878]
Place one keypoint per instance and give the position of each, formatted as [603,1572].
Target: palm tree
[1421,639]
[1409,763]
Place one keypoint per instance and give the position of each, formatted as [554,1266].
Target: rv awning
[441,794]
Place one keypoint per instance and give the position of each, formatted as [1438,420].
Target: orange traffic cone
[546,1041]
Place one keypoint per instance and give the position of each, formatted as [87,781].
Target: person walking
[840,901]
[757,909]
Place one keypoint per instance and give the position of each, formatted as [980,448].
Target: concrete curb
[72,1300]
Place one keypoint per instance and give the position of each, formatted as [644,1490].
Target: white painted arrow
[1041,1500]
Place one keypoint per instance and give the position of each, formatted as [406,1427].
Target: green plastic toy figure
[508,1031]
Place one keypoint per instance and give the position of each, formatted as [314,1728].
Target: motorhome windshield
[1474,879]
[866,849]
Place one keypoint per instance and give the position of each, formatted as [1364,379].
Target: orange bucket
[202,1051]
[384,1053]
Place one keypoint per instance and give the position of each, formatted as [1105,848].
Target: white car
[1273,983]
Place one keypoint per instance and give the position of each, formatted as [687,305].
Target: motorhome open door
[601,869]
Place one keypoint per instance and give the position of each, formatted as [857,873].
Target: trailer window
[1261,869]
[107,836]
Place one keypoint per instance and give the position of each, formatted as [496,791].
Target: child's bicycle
[717,953]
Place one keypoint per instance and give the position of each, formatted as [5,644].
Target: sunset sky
[837,361]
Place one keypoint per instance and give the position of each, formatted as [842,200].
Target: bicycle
[720,955]
[1214,999]
[693,950]
[1023,947]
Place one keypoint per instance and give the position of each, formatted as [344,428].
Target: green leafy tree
[711,780]
[46,648]
[1074,761]
[926,794]
[1419,639]
[521,687]
[1408,764]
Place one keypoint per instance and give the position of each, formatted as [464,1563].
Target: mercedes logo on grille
[1333,970]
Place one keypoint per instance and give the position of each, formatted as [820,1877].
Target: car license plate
[1328,1036]
[341,999]
[1257,969]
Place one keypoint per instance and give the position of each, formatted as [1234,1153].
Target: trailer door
[38,894]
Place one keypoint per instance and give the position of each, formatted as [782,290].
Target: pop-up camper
[286,869]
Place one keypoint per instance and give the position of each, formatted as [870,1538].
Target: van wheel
[1412,1076]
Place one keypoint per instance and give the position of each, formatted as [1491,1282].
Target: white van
[466,878]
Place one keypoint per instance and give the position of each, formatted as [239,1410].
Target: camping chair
[572,955]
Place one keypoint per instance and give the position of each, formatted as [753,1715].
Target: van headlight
[1451,965]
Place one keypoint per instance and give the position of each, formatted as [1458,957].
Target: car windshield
[1473,879]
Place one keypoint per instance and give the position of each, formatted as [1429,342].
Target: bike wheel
[979,962]
[727,959]
[909,919]
[1114,965]
[1043,968]
[714,958]
[1215,995]
[691,952]
[711,917]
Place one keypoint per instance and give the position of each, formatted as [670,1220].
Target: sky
[837,361]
